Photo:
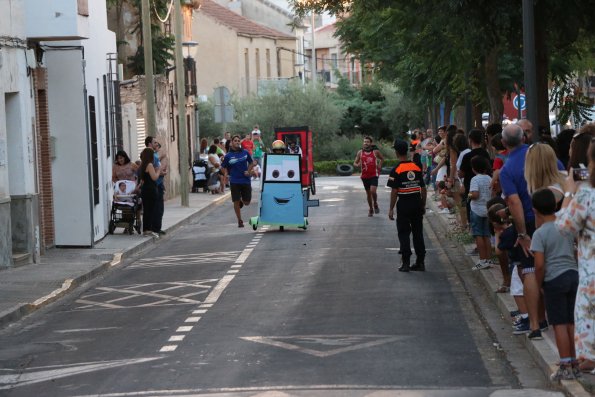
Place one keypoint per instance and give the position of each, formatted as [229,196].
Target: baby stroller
[125,208]
[200,174]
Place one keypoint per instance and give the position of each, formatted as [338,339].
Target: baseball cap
[401,146]
[255,132]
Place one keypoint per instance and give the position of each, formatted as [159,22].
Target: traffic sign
[522,100]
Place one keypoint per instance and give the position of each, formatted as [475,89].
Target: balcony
[54,20]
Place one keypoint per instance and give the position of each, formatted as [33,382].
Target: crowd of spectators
[533,199]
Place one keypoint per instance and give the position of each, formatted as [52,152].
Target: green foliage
[206,121]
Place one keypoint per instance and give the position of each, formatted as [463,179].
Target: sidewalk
[27,288]
[544,351]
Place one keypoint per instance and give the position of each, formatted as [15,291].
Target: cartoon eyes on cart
[290,174]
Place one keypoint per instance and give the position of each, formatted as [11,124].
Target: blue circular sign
[521,99]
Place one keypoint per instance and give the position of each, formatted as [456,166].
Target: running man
[370,159]
[238,165]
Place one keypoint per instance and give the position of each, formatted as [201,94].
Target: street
[216,309]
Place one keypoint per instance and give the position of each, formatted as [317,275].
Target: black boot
[419,266]
[404,265]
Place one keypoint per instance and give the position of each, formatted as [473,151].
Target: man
[370,159]
[527,128]
[476,139]
[518,200]
[152,143]
[294,148]
[238,164]
[409,194]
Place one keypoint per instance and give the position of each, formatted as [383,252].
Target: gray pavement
[27,288]
[31,287]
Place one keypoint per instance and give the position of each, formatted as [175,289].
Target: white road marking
[186,259]
[218,290]
[346,342]
[65,331]
[331,200]
[168,348]
[244,255]
[176,338]
[206,305]
[236,266]
[192,320]
[203,311]
[53,372]
[232,271]
[185,328]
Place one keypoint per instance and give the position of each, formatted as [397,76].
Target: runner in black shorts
[370,159]
[238,165]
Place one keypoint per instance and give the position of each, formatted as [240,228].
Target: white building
[19,231]
[73,45]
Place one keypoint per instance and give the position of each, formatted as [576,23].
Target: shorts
[560,296]
[370,182]
[241,192]
[480,226]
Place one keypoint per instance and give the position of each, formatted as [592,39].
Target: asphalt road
[214,309]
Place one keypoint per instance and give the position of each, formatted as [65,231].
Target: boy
[479,194]
[557,269]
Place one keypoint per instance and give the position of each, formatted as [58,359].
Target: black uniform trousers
[410,221]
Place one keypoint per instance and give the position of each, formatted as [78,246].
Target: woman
[204,146]
[541,170]
[123,169]
[579,145]
[148,175]
[214,164]
[577,217]
[440,156]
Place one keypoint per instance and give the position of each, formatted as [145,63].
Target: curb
[18,312]
[543,352]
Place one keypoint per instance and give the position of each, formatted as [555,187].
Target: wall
[17,143]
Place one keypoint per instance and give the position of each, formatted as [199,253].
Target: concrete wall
[57,19]
[17,143]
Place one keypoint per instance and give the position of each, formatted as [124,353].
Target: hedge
[330,167]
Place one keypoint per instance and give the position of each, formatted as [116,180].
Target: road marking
[186,259]
[345,343]
[192,320]
[331,200]
[236,266]
[184,328]
[168,348]
[218,290]
[30,376]
[154,294]
[232,271]
[203,311]
[65,331]
[206,305]
[176,338]
[244,255]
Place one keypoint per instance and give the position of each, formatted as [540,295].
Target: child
[121,195]
[507,237]
[447,203]
[557,269]
[479,194]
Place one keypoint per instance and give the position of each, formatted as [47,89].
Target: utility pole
[182,133]
[529,65]
[149,85]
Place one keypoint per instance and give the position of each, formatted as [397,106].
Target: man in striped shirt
[409,194]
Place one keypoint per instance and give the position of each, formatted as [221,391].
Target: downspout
[89,159]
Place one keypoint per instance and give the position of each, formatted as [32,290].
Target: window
[257,55]
[334,61]
[247,69]
[94,148]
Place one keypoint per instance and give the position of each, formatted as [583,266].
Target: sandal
[503,289]
[240,223]
[587,366]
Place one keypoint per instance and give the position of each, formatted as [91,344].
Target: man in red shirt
[370,159]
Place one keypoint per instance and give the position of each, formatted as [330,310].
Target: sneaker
[162,232]
[376,209]
[535,335]
[156,235]
[481,265]
[523,328]
[576,371]
[515,313]
[370,212]
[518,321]
[564,372]
[543,325]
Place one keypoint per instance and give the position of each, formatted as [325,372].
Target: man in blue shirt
[238,164]
[518,200]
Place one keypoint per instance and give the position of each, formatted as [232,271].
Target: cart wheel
[131,229]
[112,227]
[281,228]
[312,184]
[253,227]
